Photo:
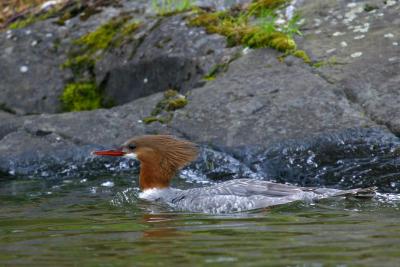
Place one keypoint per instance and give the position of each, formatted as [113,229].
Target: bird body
[161,156]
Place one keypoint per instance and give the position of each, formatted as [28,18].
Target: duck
[162,156]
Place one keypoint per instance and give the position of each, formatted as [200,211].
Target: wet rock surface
[332,123]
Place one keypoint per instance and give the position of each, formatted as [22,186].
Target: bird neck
[155,175]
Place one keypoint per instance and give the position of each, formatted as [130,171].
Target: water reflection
[159,226]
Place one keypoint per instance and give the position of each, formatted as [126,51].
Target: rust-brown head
[160,156]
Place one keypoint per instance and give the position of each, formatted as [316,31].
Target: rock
[170,55]
[342,159]
[30,69]
[53,142]
[368,65]
[261,101]
[9,123]
[164,53]
[31,59]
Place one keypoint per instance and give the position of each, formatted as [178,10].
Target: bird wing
[250,187]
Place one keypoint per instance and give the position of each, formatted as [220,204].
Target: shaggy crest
[178,153]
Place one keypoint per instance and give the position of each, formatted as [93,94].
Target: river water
[84,222]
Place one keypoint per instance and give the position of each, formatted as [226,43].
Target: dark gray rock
[32,79]
[163,54]
[360,51]
[53,142]
[30,69]
[342,159]
[262,101]
[166,55]
[9,123]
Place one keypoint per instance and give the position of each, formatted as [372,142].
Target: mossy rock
[163,111]
[31,19]
[150,119]
[177,103]
[79,64]
[258,5]
[243,27]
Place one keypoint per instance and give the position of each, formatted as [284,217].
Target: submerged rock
[341,159]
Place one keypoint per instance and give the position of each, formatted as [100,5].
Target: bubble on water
[128,196]
[388,198]
[124,165]
[193,176]
[93,190]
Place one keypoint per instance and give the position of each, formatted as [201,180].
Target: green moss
[215,70]
[150,119]
[329,62]
[171,7]
[241,33]
[303,55]
[109,35]
[19,24]
[239,30]
[170,93]
[318,64]
[79,64]
[81,96]
[103,36]
[254,27]
[174,104]
[163,111]
[257,6]
[31,19]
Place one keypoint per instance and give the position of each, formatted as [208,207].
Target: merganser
[161,156]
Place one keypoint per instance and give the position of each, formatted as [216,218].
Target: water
[74,223]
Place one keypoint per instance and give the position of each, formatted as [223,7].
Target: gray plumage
[241,195]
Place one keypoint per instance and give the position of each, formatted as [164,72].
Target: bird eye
[131,146]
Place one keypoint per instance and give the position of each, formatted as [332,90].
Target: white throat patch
[130,156]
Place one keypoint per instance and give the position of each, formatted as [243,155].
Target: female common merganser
[161,156]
